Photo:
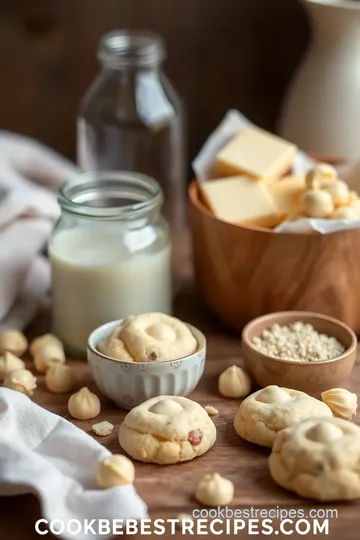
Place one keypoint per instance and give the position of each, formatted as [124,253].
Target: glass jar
[109,253]
[132,119]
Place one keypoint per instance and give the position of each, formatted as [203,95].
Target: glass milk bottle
[131,119]
[109,253]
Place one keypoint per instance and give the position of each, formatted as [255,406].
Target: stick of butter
[256,153]
[241,200]
[287,192]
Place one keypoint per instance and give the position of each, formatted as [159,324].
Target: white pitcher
[321,112]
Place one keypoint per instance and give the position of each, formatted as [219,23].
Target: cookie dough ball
[317,203]
[84,405]
[318,459]
[342,402]
[339,192]
[234,383]
[13,341]
[115,470]
[9,362]
[167,429]
[266,412]
[60,378]
[21,380]
[156,337]
[215,490]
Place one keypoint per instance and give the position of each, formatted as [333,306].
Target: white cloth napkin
[45,454]
[30,174]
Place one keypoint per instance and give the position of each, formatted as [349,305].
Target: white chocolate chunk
[273,394]
[324,432]
[215,490]
[84,405]
[161,332]
[115,470]
[167,407]
[21,380]
[9,362]
[102,429]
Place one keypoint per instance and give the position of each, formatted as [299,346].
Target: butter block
[286,193]
[256,153]
[240,200]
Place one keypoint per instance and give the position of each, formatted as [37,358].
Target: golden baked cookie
[167,429]
[114,346]
[156,337]
[266,412]
[318,459]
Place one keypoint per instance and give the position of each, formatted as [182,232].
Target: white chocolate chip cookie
[156,337]
[318,459]
[167,429]
[266,412]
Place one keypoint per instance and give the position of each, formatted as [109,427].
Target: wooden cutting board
[169,490]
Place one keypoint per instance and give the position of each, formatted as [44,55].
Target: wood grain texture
[246,272]
[221,54]
[169,490]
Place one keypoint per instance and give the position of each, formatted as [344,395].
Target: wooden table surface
[169,490]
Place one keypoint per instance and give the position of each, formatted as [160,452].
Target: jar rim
[127,48]
[82,193]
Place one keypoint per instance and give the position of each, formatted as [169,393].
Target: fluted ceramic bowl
[130,383]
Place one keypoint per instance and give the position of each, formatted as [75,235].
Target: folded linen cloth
[45,454]
[30,174]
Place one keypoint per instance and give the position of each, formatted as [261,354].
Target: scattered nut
[345,212]
[212,411]
[317,203]
[60,378]
[342,403]
[298,341]
[21,380]
[320,176]
[115,470]
[234,383]
[9,362]
[215,490]
[84,405]
[13,341]
[102,429]
[339,192]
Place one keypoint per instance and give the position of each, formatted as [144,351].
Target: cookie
[167,429]
[114,346]
[266,412]
[156,337]
[318,459]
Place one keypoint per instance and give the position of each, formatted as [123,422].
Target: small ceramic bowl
[130,383]
[310,377]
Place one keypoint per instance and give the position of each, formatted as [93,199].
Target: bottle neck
[129,50]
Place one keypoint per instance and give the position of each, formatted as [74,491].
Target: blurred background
[221,54]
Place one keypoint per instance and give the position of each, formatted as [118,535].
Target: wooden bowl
[245,272]
[310,377]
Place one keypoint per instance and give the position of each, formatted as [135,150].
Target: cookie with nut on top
[166,430]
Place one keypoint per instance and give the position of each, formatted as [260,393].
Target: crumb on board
[211,410]
[102,429]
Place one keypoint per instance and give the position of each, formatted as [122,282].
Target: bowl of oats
[302,350]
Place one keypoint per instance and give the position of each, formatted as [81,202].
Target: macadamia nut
[13,341]
[84,405]
[60,378]
[342,403]
[317,203]
[21,380]
[321,175]
[9,362]
[215,490]
[339,192]
[212,411]
[115,470]
[234,383]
